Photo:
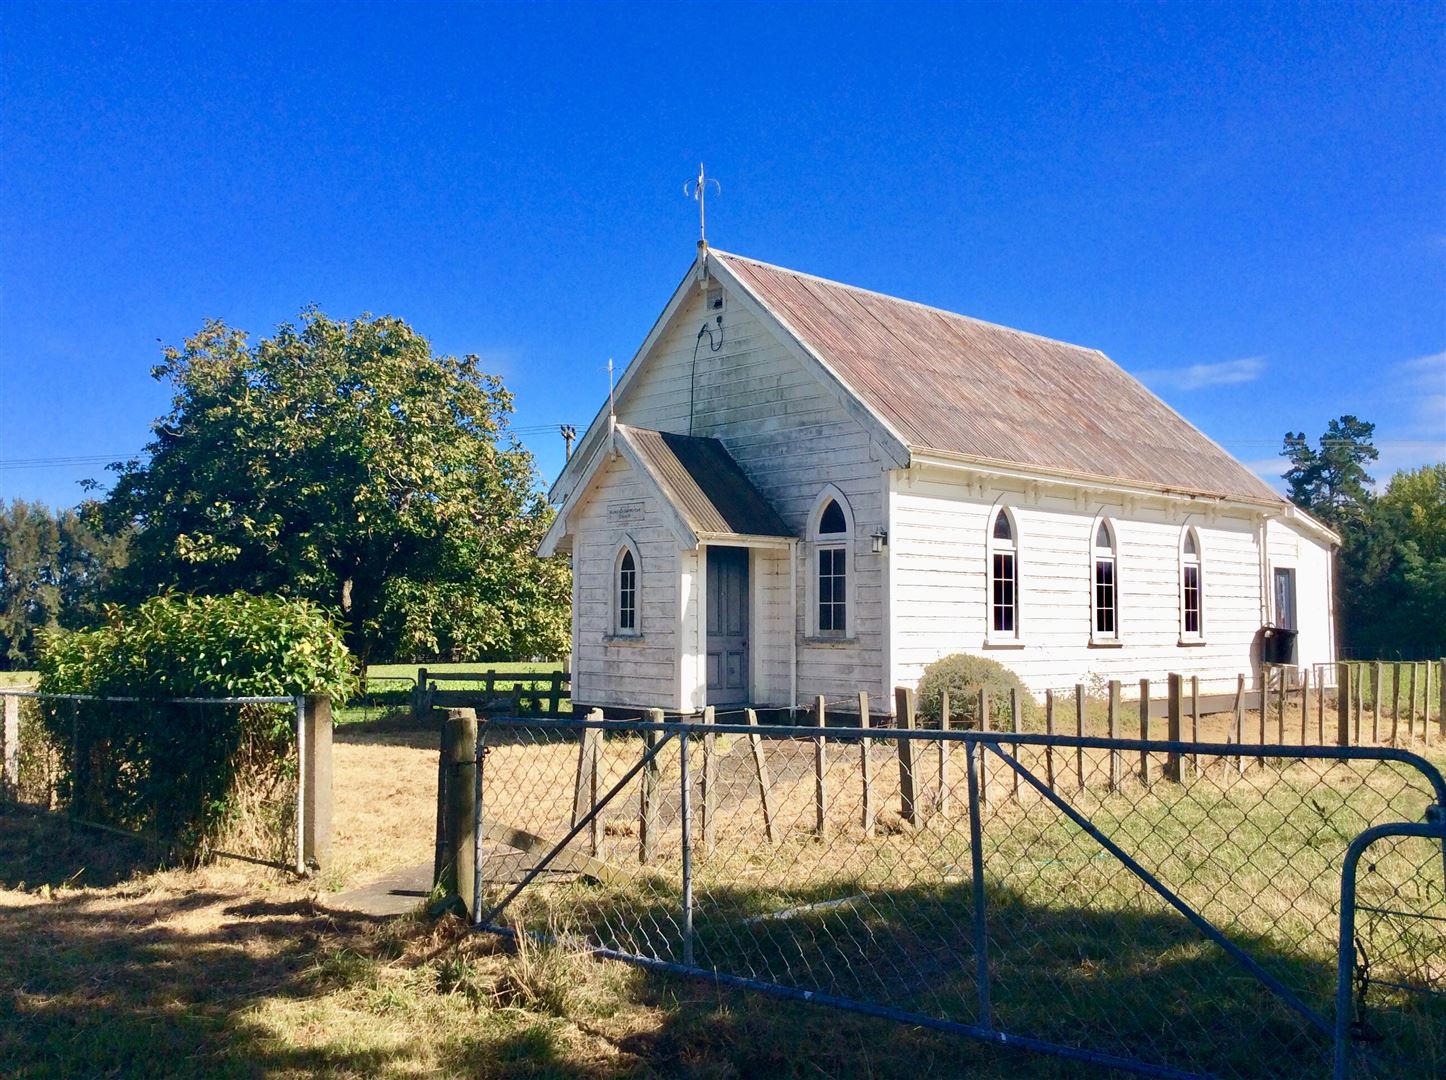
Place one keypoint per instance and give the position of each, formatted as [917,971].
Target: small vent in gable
[715,299]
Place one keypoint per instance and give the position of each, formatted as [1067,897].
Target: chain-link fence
[147,768]
[1171,908]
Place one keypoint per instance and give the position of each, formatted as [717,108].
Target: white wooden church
[807,488]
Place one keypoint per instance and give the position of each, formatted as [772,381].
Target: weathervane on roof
[697,189]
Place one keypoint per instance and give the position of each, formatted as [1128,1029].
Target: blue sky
[1245,205]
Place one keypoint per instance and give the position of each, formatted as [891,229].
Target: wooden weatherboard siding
[938,530]
[610,669]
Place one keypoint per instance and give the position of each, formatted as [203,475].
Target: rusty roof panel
[705,484]
[950,383]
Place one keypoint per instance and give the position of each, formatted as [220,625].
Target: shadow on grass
[210,981]
[1131,980]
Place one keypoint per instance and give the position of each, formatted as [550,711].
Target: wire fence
[145,768]
[1170,908]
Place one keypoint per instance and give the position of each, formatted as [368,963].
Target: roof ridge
[910,303]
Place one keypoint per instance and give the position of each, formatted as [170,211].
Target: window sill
[622,639]
[815,640]
[1004,643]
[1106,643]
[1191,643]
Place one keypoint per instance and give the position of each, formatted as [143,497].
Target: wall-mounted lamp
[877,540]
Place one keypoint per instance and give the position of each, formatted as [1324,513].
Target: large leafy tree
[1330,480]
[347,463]
[53,568]
[1391,571]
[1397,568]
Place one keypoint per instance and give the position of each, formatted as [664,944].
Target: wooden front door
[727,626]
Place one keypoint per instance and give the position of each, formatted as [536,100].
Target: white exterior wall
[1312,561]
[792,438]
[610,669]
[938,532]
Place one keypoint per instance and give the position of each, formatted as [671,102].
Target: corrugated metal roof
[705,484]
[950,383]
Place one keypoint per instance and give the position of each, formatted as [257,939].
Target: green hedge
[181,772]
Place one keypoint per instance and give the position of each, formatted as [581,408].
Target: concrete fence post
[316,776]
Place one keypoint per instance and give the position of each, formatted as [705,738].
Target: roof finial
[612,413]
[697,189]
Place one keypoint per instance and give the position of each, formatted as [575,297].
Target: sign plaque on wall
[623,514]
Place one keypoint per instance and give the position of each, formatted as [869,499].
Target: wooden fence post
[1114,722]
[648,794]
[1195,722]
[1304,706]
[1358,700]
[1239,723]
[1049,730]
[941,796]
[866,766]
[1320,706]
[10,772]
[1376,702]
[1280,699]
[1173,770]
[1396,704]
[1264,708]
[1343,704]
[710,782]
[1079,726]
[458,877]
[1441,689]
[908,805]
[1411,709]
[584,799]
[1144,730]
[1014,720]
[820,768]
[1426,702]
[316,826]
[760,770]
[983,758]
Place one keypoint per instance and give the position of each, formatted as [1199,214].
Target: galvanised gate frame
[639,918]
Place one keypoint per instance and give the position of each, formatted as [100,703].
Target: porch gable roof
[704,492]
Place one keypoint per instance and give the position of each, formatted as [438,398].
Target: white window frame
[1098,554]
[819,543]
[993,547]
[1197,561]
[615,588]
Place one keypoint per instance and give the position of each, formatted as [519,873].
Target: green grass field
[387,693]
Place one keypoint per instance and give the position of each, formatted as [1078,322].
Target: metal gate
[1173,909]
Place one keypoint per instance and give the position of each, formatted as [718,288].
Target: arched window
[627,592]
[1003,577]
[832,527]
[1192,588]
[1106,596]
